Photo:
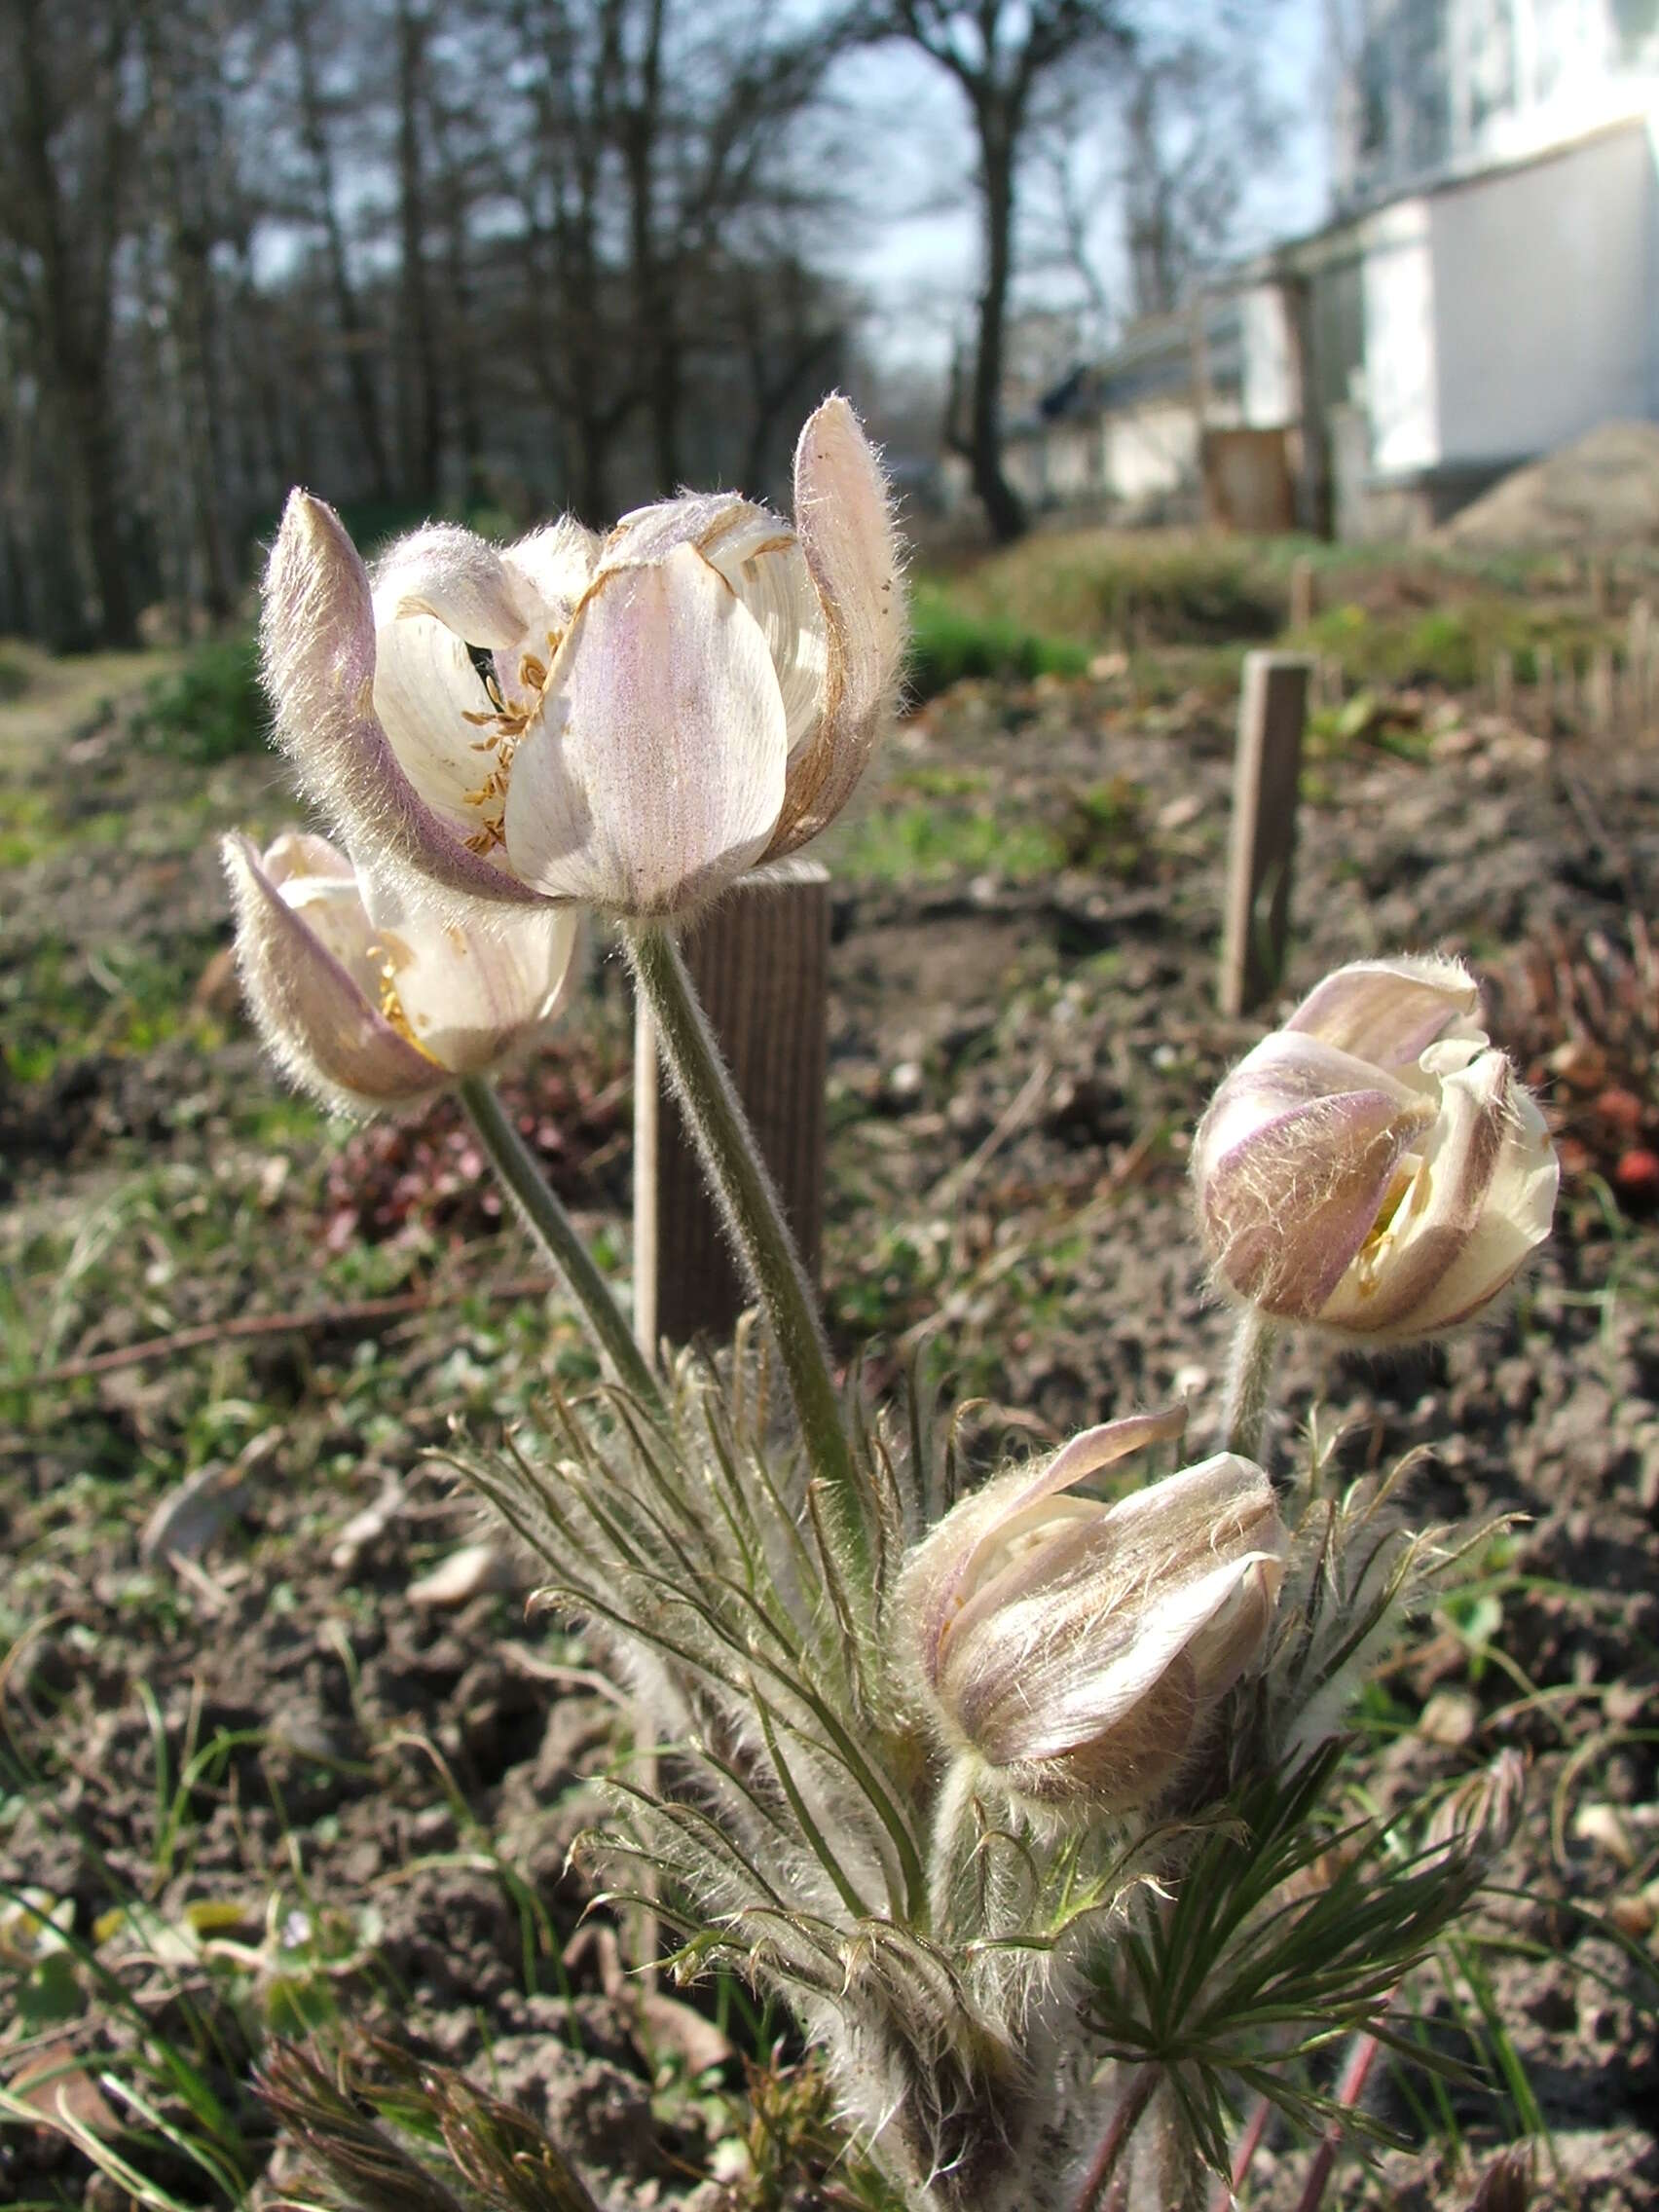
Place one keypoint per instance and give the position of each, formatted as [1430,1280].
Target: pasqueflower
[1375,1166]
[370,1004]
[1077,1648]
[628,723]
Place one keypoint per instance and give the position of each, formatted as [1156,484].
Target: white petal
[1514,1221]
[425,685]
[301,853]
[1072,1701]
[457,578]
[317,634]
[1392,1291]
[474,996]
[655,774]
[331,906]
[557,565]
[1291,1163]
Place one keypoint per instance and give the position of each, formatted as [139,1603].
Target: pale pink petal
[949,1566]
[315,1020]
[318,632]
[1291,1163]
[459,579]
[761,560]
[1212,1508]
[844,520]
[1070,1693]
[1389,1011]
[331,906]
[655,773]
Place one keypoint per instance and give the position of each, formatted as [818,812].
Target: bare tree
[248,243]
[1197,123]
[66,147]
[314,121]
[1003,54]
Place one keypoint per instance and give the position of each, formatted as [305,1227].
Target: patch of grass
[212,708]
[1454,644]
[1105,828]
[13,677]
[59,1005]
[951,640]
[1132,587]
[930,843]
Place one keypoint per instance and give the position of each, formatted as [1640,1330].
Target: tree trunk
[359,375]
[75,245]
[1004,508]
[421,422]
[655,306]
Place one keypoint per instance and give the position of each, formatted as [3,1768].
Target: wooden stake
[1273,709]
[1567,692]
[761,964]
[1544,662]
[1301,592]
[1599,691]
[1503,685]
[1639,655]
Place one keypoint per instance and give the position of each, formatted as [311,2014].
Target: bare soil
[350,1800]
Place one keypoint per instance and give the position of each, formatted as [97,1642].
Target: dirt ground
[281,1764]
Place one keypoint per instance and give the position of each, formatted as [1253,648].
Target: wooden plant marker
[1599,691]
[1301,592]
[761,964]
[1544,661]
[1272,710]
[1504,685]
[1639,655]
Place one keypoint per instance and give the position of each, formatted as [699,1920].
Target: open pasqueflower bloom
[1375,1166]
[628,723]
[1076,1648]
[370,1006]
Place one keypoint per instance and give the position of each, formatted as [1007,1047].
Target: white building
[1488,290]
[1455,331]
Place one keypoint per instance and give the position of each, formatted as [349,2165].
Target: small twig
[358,1314]
[1013,1118]
[1125,2120]
[1351,2088]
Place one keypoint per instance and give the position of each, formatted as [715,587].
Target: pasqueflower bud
[1077,1648]
[1375,1166]
[659,711]
[370,1006]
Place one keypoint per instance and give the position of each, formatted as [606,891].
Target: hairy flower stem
[1249,1384]
[1351,2088]
[755,1222]
[550,1226]
[1131,2110]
